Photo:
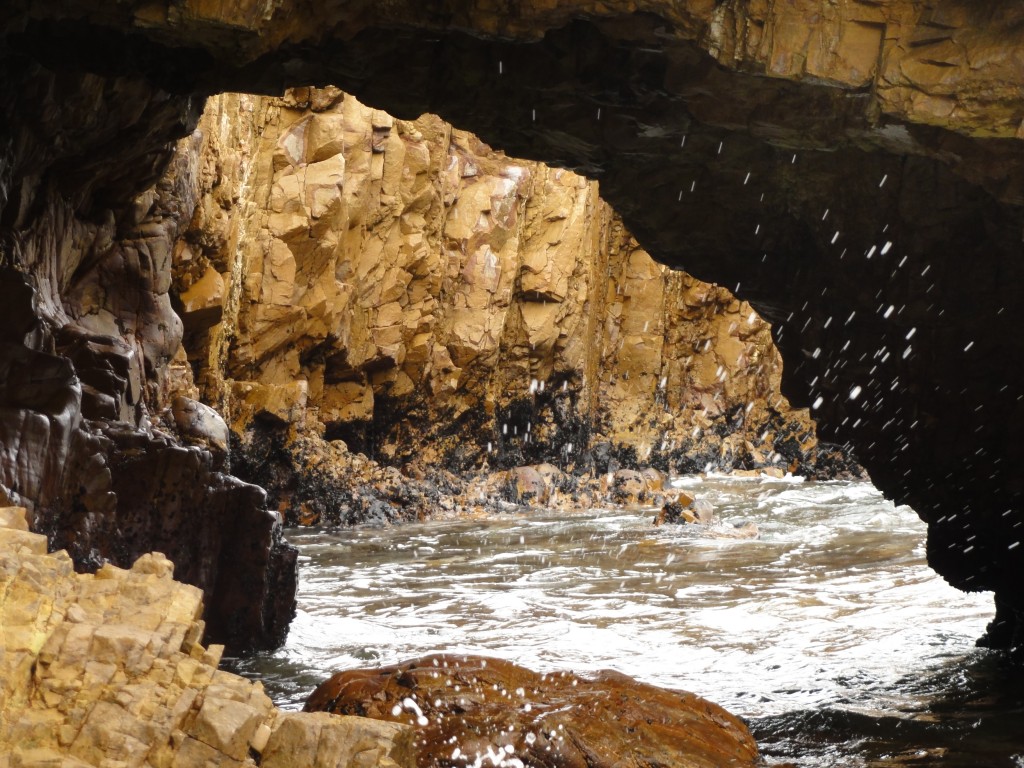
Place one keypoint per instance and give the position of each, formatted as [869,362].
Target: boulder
[627,486]
[527,485]
[201,424]
[473,710]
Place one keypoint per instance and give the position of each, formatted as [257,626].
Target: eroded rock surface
[469,709]
[107,669]
[400,286]
[92,203]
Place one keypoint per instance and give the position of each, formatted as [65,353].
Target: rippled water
[828,633]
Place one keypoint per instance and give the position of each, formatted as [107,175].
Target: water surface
[828,633]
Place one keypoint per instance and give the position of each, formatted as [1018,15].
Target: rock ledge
[107,669]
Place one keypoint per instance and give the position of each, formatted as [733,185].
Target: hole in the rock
[521,388]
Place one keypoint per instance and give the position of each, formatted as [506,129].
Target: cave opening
[867,207]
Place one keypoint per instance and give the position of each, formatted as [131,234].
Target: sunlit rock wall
[401,286]
[109,669]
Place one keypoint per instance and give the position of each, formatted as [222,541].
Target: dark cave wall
[92,200]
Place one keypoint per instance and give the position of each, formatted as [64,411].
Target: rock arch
[853,169]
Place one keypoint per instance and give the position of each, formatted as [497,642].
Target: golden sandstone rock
[108,669]
[473,710]
[405,288]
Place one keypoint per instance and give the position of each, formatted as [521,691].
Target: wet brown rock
[528,485]
[465,708]
[89,364]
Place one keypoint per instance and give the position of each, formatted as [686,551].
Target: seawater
[828,633]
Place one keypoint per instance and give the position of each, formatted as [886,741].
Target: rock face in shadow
[468,708]
[403,288]
[854,169]
[88,444]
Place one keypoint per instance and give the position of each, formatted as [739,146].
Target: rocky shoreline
[109,669]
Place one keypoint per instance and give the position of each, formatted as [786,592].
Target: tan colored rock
[406,266]
[107,669]
[203,303]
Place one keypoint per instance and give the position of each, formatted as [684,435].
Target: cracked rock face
[403,287]
[108,668]
[853,169]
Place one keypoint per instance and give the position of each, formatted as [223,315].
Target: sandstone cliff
[401,287]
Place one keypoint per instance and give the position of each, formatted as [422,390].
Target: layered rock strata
[402,287]
[472,710]
[854,166]
[107,669]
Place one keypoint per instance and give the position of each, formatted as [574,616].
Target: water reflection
[828,633]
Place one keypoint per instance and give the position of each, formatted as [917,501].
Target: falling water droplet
[855,393]
[882,182]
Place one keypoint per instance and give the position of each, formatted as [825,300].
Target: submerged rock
[700,513]
[467,709]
